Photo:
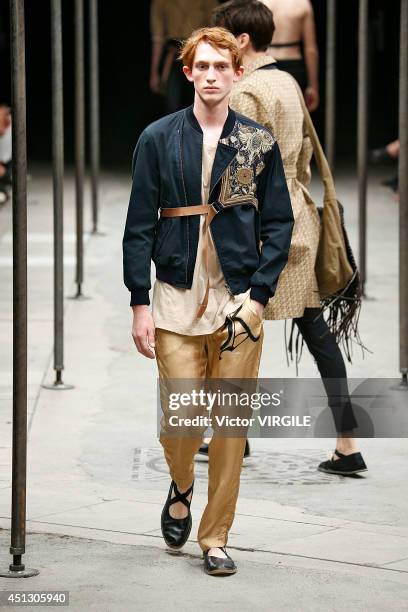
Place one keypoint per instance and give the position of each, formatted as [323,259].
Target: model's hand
[143,331]
[393,149]
[5,118]
[259,308]
[155,82]
[312,99]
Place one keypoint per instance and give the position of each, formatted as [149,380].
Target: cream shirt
[174,309]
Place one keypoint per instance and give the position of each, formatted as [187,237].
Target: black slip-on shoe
[346,465]
[392,183]
[176,531]
[217,566]
[203,450]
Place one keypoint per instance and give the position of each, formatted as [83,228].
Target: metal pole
[94,109]
[58,190]
[19,470]
[79,142]
[362,125]
[330,111]
[403,192]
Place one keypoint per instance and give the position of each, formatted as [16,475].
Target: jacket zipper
[228,288]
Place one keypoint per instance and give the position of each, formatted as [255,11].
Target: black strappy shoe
[346,465]
[176,531]
[218,566]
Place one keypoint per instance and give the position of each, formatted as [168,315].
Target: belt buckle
[217,206]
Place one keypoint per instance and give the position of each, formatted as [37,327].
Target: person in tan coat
[171,22]
[270,97]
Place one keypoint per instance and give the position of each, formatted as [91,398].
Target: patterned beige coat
[270,97]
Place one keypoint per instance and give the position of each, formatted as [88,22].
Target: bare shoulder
[307,7]
[289,6]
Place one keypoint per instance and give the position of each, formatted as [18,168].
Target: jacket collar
[228,125]
[259,62]
[192,154]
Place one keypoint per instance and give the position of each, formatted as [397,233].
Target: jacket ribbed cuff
[260,294]
[139,296]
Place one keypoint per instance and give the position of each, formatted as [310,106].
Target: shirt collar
[228,125]
[259,62]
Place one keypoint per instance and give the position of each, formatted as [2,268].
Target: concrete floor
[97,478]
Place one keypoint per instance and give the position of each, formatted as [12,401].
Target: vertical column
[330,107]
[79,142]
[58,192]
[362,125]
[58,182]
[19,470]
[403,193]
[94,110]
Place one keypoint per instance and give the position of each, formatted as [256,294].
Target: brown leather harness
[200,209]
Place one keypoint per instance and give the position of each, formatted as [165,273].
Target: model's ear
[238,73]
[187,72]
[243,40]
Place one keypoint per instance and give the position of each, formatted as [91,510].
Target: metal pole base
[58,384]
[79,295]
[403,384]
[26,573]
[96,232]
[18,570]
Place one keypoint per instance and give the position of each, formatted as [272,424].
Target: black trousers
[297,68]
[179,91]
[324,348]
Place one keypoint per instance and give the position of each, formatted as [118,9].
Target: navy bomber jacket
[167,173]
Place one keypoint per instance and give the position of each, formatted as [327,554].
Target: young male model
[270,96]
[216,181]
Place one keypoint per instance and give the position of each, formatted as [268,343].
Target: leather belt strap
[186,211]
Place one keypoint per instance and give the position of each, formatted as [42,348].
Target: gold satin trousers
[197,357]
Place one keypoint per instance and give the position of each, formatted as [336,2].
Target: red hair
[216,37]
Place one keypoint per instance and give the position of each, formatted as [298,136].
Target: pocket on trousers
[253,310]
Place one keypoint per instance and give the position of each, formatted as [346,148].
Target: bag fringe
[342,311]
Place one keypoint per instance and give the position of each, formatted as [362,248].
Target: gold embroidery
[259,168]
[238,183]
[227,198]
[244,176]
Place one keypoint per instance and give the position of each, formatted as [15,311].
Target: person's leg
[226,453]
[179,92]
[323,347]
[178,357]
